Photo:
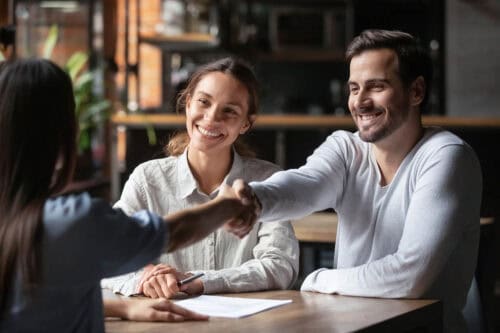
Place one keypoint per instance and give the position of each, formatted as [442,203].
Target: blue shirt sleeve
[86,239]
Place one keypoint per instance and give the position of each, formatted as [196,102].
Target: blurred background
[130,58]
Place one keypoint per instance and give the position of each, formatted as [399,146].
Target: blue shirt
[84,241]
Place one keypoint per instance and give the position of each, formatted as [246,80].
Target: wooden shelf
[302,56]
[286,121]
[182,42]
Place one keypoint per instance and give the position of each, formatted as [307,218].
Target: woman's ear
[417,91]
[248,124]
[188,102]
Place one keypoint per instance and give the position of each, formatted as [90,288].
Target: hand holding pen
[165,281]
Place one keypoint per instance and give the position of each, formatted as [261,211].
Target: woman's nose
[212,114]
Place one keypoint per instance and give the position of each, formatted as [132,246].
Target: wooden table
[322,227]
[316,228]
[310,312]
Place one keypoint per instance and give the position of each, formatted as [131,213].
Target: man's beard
[385,130]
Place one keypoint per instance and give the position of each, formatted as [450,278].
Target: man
[407,197]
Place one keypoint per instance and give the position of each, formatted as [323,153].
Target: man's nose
[362,100]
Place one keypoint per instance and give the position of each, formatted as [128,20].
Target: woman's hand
[162,281]
[149,310]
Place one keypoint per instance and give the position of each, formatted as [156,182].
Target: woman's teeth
[207,132]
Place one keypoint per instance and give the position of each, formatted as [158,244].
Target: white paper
[230,307]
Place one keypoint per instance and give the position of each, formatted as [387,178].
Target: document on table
[230,307]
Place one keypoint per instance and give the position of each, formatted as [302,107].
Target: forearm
[263,274]
[190,225]
[388,277]
[294,194]
[124,284]
[274,265]
[115,308]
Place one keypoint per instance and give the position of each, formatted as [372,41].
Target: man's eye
[353,90]
[377,87]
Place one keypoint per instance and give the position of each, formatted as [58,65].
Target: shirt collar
[187,184]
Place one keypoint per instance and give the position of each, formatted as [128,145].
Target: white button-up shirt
[267,258]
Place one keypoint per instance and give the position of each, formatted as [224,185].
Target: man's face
[378,101]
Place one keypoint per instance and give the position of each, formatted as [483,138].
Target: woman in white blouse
[220,103]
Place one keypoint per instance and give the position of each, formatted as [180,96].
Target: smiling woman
[234,75]
[220,103]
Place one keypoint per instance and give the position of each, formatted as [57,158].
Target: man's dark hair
[413,60]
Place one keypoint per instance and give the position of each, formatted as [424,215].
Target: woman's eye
[230,111]
[202,101]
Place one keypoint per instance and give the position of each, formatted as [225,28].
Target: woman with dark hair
[55,249]
[220,103]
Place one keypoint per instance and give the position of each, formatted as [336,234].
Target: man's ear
[417,91]
[248,124]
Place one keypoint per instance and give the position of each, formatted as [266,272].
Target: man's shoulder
[436,139]
[347,137]
[440,143]
[441,137]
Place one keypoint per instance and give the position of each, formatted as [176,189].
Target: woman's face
[217,113]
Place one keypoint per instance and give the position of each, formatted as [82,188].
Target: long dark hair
[413,59]
[37,128]
[238,69]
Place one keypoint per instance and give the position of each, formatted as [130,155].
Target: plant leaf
[82,80]
[84,140]
[50,42]
[152,139]
[75,64]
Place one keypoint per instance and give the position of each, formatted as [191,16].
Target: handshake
[236,207]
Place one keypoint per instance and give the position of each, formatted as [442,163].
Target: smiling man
[407,197]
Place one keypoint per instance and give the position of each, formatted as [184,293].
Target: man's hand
[241,225]
[149,310]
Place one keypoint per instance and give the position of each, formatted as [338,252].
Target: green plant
[91,110]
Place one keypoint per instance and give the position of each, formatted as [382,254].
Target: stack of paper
[230,307]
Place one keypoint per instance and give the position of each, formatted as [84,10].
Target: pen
[189,279]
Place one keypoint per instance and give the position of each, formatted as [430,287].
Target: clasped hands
[162,281]
[241,224]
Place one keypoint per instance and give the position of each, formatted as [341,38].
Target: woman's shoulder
[256,169]
[154,169]
[71,206]
[157,165]
[65,213]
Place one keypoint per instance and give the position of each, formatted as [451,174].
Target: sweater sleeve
[316,186]
[444,210]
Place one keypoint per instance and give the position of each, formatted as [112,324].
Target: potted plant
[91,110]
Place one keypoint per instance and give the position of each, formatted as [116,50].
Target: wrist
[115,308]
